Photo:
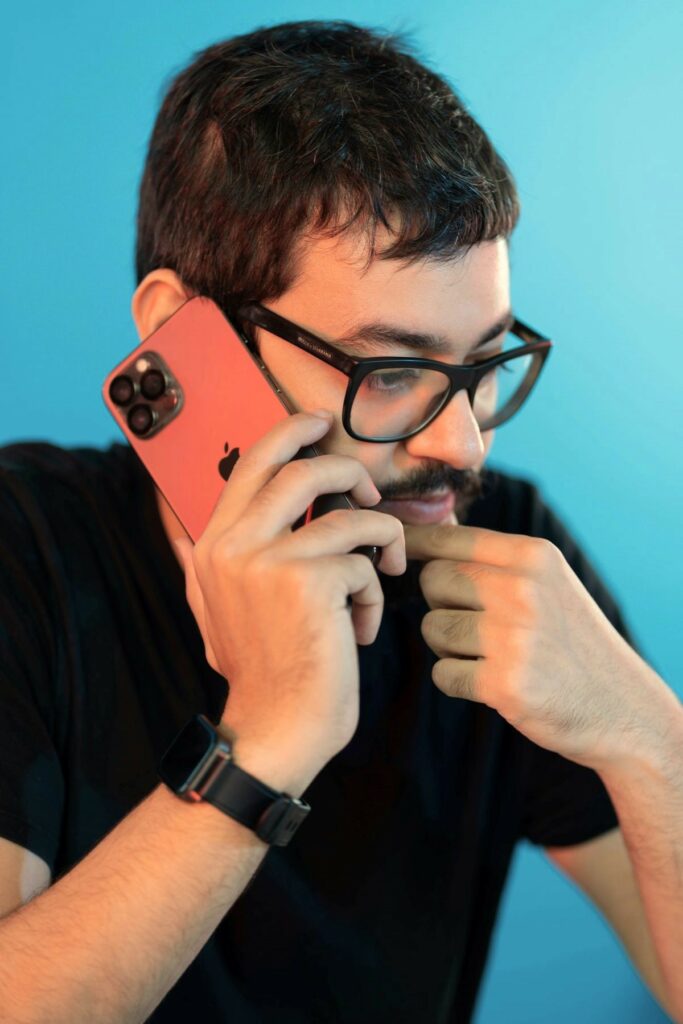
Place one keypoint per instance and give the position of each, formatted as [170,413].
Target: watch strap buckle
[281,819]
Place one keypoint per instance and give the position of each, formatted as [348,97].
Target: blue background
[583,100]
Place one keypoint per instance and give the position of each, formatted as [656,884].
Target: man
[489,693]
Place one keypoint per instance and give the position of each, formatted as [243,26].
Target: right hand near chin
[271,603]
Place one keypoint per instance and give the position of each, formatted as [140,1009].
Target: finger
[464,543]
[344,529]
[259,463]
[449,584]
[289,493]
[450,633]
[354,575]
[457,677]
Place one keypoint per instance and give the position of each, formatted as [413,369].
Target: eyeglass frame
[460,377]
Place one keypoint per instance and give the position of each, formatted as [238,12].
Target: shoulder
[43,484]
[36,464]
[59,509]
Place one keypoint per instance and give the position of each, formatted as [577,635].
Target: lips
[417,510]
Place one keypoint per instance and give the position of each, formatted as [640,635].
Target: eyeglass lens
[392,402]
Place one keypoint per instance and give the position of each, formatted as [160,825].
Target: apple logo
[226,465]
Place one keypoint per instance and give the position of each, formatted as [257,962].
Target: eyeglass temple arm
[303,339]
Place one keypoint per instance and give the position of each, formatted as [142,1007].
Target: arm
[635,874]
[106,942]
[514,627]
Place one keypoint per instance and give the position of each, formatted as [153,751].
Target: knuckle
[398,527]
[525,595]
[392,523]
[455,628]
[430,626]
[442,678]
[428,573]
[439,538]
[301,470]
[536,552]
[220,556]
[335,518]
[449,679]
[297,579]
[524,548]
[367,576]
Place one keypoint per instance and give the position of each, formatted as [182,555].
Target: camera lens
[140,419]
[152,384]
[121,389]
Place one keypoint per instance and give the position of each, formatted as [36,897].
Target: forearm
[106,942]
[646,788]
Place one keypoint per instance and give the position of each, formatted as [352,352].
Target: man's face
[458,301]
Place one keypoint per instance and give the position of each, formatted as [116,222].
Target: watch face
[188,753]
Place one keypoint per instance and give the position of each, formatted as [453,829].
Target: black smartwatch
[198,765]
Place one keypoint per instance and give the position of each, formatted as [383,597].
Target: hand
[271,603]
[543,653]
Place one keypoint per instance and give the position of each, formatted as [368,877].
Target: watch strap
[199,765]
[274,816]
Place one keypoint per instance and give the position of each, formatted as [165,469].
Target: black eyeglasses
[393,398]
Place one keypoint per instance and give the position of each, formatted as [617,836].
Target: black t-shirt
[382,907]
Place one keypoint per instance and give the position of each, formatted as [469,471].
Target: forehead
[336,288]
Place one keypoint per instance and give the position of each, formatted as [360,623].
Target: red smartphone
[188,399]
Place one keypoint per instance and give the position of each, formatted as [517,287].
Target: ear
[156,298]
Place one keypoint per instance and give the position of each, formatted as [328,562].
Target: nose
[453,437]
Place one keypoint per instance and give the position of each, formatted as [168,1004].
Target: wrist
[655,744]
[284,766]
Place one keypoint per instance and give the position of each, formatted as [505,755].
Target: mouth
[423,509]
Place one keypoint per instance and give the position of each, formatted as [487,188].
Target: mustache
[466,483]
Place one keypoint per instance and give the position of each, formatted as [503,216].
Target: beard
[474,485]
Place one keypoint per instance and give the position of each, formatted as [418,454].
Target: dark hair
[311,126]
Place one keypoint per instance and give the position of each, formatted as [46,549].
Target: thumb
[195,597]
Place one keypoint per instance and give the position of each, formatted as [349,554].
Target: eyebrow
[388,336]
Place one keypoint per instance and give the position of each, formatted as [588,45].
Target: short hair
[305,127]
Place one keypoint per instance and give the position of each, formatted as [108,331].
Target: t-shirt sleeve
[31,781]
[564,802]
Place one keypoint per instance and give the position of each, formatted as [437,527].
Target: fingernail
[324,414]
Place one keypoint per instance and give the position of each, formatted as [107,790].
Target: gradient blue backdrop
[583,100]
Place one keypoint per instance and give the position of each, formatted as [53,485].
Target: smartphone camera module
[147,394]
